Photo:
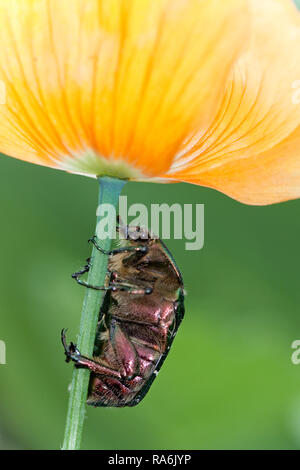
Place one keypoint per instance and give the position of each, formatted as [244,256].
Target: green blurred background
[228,382]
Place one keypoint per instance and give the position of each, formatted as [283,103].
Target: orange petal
[112,86]
[251,150]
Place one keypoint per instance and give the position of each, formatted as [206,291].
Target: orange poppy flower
[202,91]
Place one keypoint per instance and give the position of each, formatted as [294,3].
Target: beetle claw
[63,338]
[71,350]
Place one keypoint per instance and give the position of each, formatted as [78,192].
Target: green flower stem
[109,192]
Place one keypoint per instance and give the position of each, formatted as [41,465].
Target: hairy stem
[109,191]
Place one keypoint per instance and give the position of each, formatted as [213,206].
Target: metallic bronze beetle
[138,320]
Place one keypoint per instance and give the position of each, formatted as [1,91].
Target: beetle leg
[80,273]
[121,286]
[118,283]
[131,289]
[73,354]
[71,350]
[118,288]
[124,350]
[124,249]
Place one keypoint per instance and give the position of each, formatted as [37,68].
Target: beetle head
[135,233]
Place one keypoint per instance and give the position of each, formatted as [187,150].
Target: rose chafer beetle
[138,320]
